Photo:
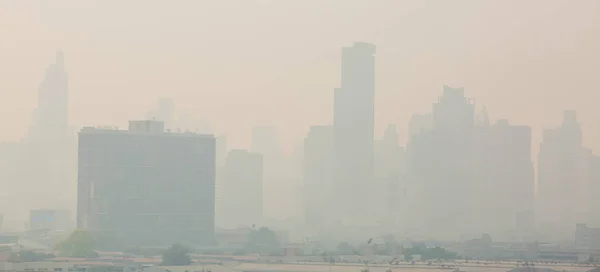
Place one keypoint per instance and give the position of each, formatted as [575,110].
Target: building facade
[439,168]
[563,178]
[388,182]
[353,126]
[147,186]
[504,183]
[242,190]
[587,238]
[318,175]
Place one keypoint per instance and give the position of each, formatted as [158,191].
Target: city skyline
[506,69]
[447,117]
[325,144]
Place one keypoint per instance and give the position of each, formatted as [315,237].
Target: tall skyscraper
[48,150]
[419,123]
[594,197]
[440,168]
[242,197]
[318,176]
[147,186]
[221,152]
[51,117]
[353,131]
[266,141]
[503,171]
[389,169]
[563,178]
[165,111]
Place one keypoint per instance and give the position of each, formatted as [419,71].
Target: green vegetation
[262,240]
[176,255]
[79,244]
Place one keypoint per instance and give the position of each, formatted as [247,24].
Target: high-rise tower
[51,117]
[354,110]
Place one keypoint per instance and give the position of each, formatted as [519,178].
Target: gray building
[51,117]
[147,186]
[563,178]
[503,170]
[389,162]
[241,202]
[317,175]
[353,130]
[587,238]
[594,191]
[439,168]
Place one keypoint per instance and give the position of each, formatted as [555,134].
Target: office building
[318,176]
[439,168]
[165,111]
[51,117]
[587,238]
[242,189]
[147,186]
[389,169]
[353,133]
[503,171]
[563,178]
[419,123]
[47,153]
[594,185]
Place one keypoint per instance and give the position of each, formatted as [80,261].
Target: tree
[176,255]
[262,240]
[79,244]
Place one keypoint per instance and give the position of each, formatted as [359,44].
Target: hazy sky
[237,63]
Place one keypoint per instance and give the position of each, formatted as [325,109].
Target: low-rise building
[587,238]
[64,267]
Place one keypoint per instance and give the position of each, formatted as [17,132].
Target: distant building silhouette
[51,117]
[47,154]
[267,142]
[242,189]
[466,176]
[318,176]
[165,111]
[594,197]
[221,151]
[563,177]
[388,183]
[147,186]
[419,123]
[440,168]
[587,238]
[353,125]
[504,183]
